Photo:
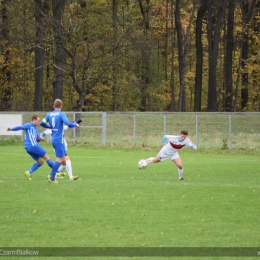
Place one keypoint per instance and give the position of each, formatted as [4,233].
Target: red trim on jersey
[177,146]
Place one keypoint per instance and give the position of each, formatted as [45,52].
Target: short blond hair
[57,103]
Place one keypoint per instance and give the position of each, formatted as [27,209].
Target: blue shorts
[36,152]
[60,149]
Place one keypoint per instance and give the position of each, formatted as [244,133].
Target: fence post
[134,131]
[74,129]
[197,131]
[22,136]
[104,128]
[230,131]
[164,125]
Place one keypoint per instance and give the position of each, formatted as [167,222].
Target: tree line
[130,55]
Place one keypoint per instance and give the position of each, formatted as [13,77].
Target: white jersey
[170,150]
[176,143]
[48,131]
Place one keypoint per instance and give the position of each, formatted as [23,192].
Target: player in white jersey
[171,145]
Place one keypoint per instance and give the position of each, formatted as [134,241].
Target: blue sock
[34,167]
[55,168]
[50,163]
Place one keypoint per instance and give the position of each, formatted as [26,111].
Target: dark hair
[35,117]
[184,132]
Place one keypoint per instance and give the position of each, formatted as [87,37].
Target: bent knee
[40,162]
[156,160]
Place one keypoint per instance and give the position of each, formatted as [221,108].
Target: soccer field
[114,204]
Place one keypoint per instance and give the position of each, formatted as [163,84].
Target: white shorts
[168,152]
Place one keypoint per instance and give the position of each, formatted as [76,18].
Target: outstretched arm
[16,128]
[164,140]
[69,124]
[167,138]
[39,138]
[194,147]
[46,132]
[43,124]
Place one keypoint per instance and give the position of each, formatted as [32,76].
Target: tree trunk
[244,90]
[115,54]
[247,15]
[173,37]
[213,40]
[182,40]
[255,50]
[199,56]
[57,81]
[145,54]
[166,42]
[229,57]
[181,58]
[41,10]
[7,93]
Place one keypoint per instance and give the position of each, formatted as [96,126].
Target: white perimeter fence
[207,130]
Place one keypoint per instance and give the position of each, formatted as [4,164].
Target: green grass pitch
[114,204]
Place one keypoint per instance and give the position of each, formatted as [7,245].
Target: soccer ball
[142,164]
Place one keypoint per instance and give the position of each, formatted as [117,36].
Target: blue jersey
[31,134]
[56,119]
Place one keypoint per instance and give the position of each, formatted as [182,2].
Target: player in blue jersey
[171,145]
[67,163]
[55,121]
[31,145]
